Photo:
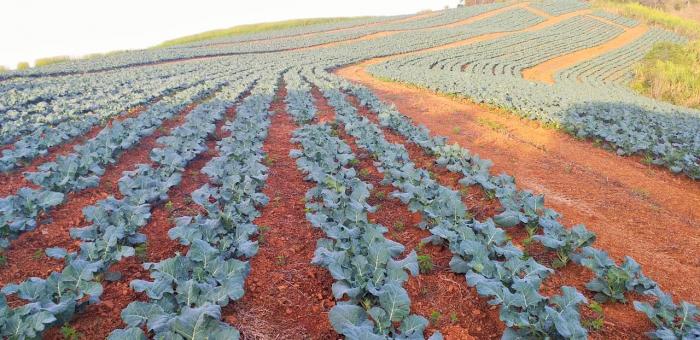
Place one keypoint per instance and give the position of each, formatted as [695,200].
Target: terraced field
[375,178]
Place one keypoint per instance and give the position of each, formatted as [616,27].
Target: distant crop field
[472,173]
[251,29]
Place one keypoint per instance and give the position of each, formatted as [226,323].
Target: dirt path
[286,296]
[636,210]
[545,71]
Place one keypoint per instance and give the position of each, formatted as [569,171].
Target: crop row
[149,56]
[405,42]
[480,249]
[625,122]
[440,18]
[611,281]
[297,31]
[83,168]
[511,54]
[187,292]
[74,121]
[114,232]
[618,19]
[559,7]
[50,103]
[51,106]
[615,67]
[363,263]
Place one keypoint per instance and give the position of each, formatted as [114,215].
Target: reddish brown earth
[53,230]
[434,293]
[97,321]
[545,71]
[12,181]
[630,200]
[286,296]
[622,322]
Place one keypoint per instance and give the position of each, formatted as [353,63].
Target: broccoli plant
[672,321]
[18,213]
[563,241]
[613,281]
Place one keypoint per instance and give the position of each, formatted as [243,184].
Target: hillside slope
[479,172]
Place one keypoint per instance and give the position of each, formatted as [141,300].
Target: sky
[34,29]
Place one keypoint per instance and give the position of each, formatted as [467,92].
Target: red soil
[437,290]
[439,114]
[544,72]
[12,181]
[53,230]
[621,200]
[286,296]
[97,321]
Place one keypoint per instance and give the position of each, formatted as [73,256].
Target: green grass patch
[252,28]
[51,60]
[22,65]
[652,16]
[670,72]
[495,126]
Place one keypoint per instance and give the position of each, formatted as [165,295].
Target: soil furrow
[637,210]
[53,229]
[438,294]
[97,321]
[545,72]
[14,180]
[286,296]
[622,321]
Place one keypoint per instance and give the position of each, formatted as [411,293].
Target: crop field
[481,172]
